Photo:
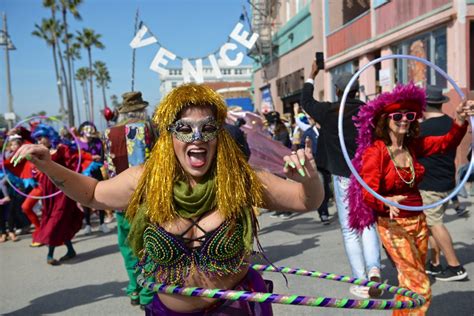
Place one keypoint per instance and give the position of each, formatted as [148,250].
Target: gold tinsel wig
[238,187]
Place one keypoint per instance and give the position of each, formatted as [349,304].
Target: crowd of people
[187,194]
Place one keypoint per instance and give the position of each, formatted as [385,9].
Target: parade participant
[24,177]
[90,144]
[438,182]
[277,128]
[4,200]
[28,177]
[5,196]
[362,248]
[278,132]
[313,133]
[27,206]
[191,203]
[4,190]
[128,144]
[387,160]
[61,219]
[13,214]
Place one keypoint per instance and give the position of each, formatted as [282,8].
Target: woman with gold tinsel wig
[191,204]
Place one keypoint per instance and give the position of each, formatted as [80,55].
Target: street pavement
[93,283]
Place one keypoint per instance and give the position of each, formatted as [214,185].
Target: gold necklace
[410,183]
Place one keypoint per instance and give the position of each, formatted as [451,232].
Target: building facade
[230,75]
[351,33]
[290,35]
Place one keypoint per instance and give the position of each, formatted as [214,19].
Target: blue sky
[188,28]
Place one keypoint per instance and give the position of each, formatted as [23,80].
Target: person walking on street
[279,132]
[313,134]
[362,249]
[128,144]
[438,182]
[61,219]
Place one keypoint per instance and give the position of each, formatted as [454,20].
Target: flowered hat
[403,97]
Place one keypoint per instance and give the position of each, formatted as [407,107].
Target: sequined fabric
[170,260]
[406,241]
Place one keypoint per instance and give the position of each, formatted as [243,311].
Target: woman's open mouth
[197,157]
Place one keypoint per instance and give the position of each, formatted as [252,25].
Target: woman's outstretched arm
[109,194]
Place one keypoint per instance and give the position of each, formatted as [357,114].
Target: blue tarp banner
[244,103]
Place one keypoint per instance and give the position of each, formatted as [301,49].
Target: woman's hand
[37,154]
[296,108]
[314,69]
[300,165]
[463,110]
[394,211]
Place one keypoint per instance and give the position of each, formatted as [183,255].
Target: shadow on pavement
[283,251]
[65,299]
[464,252]
[452,303]
[450,213]
[98,252]
[80,237]
[299,226]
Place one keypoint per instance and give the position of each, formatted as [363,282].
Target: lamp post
[8,45]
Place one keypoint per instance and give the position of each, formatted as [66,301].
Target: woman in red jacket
[386,159]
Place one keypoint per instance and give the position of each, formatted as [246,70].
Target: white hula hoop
[343,144]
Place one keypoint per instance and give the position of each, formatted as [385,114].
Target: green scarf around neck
[189,202]
[194,201]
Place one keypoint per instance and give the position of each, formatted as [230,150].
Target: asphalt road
[93,283]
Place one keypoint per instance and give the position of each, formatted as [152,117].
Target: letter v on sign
[138,40]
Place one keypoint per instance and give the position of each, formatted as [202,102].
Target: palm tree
[69,6]
[47,31]
[82,75]
[114,100]
[53,6]
[102,77]
[88,39]
[73,53]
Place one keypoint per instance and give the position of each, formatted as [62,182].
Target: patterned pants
[406,241]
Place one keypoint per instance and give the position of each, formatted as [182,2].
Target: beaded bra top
[170,259]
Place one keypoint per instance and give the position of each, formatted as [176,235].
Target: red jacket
[378,170]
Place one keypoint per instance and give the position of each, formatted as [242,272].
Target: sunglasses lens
[397,117]
[411,116]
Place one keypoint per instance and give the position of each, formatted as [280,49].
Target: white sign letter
[215,66]
[138,40]
[159,59]
[242,38]
[227,61]
[188,69]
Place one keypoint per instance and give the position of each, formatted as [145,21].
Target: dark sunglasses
[398,116]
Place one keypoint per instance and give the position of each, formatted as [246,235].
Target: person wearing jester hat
[387,160]
[191,205]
